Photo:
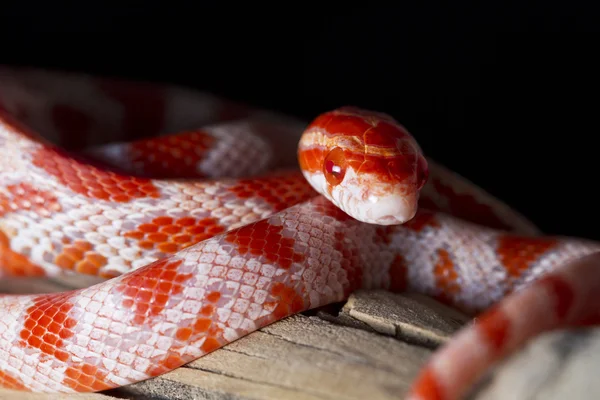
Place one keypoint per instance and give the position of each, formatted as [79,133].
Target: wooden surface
[371,347]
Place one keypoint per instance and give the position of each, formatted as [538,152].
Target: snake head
[364,162]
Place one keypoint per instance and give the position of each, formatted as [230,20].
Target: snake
[205,220]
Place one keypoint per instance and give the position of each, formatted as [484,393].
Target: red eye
[334,167]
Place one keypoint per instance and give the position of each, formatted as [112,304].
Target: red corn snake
[208,234]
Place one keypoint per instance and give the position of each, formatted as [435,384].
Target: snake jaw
[367,200]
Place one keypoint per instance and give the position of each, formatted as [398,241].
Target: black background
[504,94]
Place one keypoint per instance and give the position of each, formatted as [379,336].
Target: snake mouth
[390,220]
[394,208]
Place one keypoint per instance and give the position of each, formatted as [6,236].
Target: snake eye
[334,167]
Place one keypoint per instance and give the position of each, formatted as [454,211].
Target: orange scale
[200,238]
[61,355]
[157,237]
[168,275]
[86,267]
[207,222]
[171,229]
[180,279]
[83,245]
[34,341]
[134,193]
[183,334]
[38,331]
[64,261]
[113,190]
[73,252]
[202,325]
[148,228]
[196,230]
[141,308]
[244,194]
[126,186]
[163,221]
[156,309]
[148,188]
[165,287]
[271,248]
[47,348]
[168,247]
[210,344]
[161,299]
[100,194]
[135,235]
[122,198]
[186,221]
[257,243]
[58,319]
[216,229]
[97,259]
[243,240]
[78,188]
[29,324]
[130,291]
[50,338]
[182,238]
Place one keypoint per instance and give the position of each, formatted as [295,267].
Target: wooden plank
[301,357]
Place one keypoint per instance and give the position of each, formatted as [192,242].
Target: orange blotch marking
[166,364]
[80,256]
[8,381]
[24,196]
[445,277]
[83,377]
[47,324]
[562,292]
[266,240]
[426,386]
[288,301]
[170,235]
[172,156]
[92,181]
[202,325]
[213,297]
[183,334]
[210,344]
[147,291]
[16,264]
[493,326]
[279,191]
[518,252]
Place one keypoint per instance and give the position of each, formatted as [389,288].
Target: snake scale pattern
[194,214]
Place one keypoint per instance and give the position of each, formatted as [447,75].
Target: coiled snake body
[209,234]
